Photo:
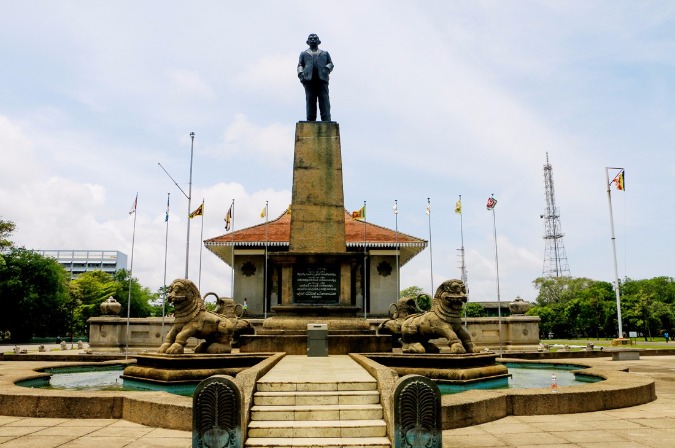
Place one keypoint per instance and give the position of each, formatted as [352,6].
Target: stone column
[317,210]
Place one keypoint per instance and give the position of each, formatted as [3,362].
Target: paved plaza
[651,425]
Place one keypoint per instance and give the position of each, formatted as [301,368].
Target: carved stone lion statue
[399,312]
[193,320]
[227,307]
[442,321]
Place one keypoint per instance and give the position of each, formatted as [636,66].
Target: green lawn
[659,343]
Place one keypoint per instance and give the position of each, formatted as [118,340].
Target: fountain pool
[523,376]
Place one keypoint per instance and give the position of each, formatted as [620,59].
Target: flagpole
[616,271]
[232,216]
[365,262]
[201,248]
[461,252]
[187,243]
[431,257]
[166,247]
[398,280]
[267,220]
[131,276]
[499,300]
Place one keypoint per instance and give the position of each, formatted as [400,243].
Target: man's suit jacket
[323,62]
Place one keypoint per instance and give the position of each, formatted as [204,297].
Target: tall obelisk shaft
[317,208]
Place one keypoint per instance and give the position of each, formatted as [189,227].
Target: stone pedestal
[317,208]
[317,272]
[317,275]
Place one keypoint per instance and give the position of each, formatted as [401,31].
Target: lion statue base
[442,321]
[193,320]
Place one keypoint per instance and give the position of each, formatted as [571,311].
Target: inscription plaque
[316,284]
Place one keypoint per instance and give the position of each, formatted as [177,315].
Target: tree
[422,299]
[570,307]
[474,309]
[87,292]
[6,229]
[33,295]
[412,291]
[156,305]
[647,304]
[141,296]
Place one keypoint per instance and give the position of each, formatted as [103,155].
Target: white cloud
[270,75]
[18,160]
[190,82]
[270,143]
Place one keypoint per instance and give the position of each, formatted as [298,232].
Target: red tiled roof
[277,232]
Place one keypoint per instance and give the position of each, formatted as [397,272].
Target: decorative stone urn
[110,307]
[519,307]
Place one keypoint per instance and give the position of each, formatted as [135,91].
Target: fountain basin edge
[163,410]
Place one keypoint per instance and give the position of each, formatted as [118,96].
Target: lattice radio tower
[555,259]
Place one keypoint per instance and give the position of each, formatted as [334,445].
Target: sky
[434,100]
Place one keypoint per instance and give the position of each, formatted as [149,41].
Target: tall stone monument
[316,280]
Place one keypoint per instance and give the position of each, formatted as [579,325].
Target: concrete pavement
[651,425]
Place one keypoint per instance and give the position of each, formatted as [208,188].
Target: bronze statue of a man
[314,70]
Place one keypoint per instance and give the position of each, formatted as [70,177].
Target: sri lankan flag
[198,212]
[619,181]
[360,213]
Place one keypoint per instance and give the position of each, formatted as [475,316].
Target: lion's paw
[415,347]
[164,347]
[457,348]
[175,349]
[219,348]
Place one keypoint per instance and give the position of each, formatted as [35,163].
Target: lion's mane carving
[193,320]
[442,321]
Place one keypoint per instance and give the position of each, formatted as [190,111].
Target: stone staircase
[314,409]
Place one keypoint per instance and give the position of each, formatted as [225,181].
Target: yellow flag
[262,213]
[198,212]
[458,207]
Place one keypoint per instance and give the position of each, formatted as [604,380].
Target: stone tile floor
[651,425]
[23,432]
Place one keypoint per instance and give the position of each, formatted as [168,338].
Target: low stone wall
[111,332]
[518,332]
[145,333]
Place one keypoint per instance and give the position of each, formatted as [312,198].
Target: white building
[78,261]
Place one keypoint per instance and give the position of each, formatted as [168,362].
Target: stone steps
[317,402]
[317,412]
[316,442]
[315,398]
[326,428]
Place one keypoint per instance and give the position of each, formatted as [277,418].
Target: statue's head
[313,39]
[452,292]
[182,290]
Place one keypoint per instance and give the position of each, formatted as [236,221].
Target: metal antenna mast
[555,258]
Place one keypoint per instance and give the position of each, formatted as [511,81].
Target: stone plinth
[445,368]
[110,333]
[518,332]
[189,368]
[292,343]
[317,209]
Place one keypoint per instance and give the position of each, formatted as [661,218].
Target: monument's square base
[444,368]
[162,368]
[297,317]
[296,344]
